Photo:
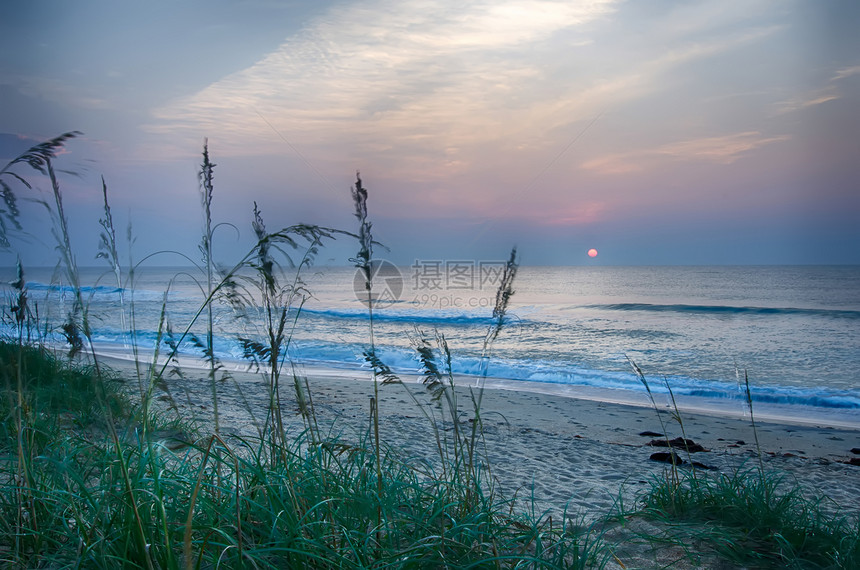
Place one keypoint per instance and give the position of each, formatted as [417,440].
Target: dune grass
[41,395]
[145,501]
[91,477]
[752,517]
[755,521]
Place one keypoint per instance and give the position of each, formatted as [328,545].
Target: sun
[592,252]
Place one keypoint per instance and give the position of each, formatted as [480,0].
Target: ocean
[793,331]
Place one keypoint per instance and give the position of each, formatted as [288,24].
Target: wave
[404,361]
[435,318]
[789,396]
[64,289]
[103,291]
[727,309]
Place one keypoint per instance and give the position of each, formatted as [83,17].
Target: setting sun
[592,252]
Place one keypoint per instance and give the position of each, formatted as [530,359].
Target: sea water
[792,331]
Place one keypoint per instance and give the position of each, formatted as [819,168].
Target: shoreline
[731,408]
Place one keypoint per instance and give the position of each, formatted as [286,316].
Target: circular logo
[386,281]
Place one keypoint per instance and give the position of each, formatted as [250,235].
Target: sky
[696,132]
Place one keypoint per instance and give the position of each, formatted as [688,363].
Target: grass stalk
[108,252]
[503,296]
[364,262]
[207,190]
[749,402]
[641,376]
[278,299]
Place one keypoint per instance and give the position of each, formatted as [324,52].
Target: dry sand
[568,453]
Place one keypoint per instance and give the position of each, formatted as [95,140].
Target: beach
[556,454]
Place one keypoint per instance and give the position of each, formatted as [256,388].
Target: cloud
[435,86]
[373,76]
[846,72]
[829,92]
[807,100]
[718,150]
[429,91]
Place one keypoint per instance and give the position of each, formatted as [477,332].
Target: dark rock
[651,434]
[854,461]
[678,443]
[698,465]
[667,457]
[856,451]
[741,442]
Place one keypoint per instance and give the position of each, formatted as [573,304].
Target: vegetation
[92,476]
[144,502]
[752,517]
[756,520]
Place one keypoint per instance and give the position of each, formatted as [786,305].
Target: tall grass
[364,262]
[108,251]
[275,298]
[76,327]
[101,481]
[41,158]
[207,189]
[311,506]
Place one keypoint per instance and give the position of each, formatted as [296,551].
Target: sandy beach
[561,453]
